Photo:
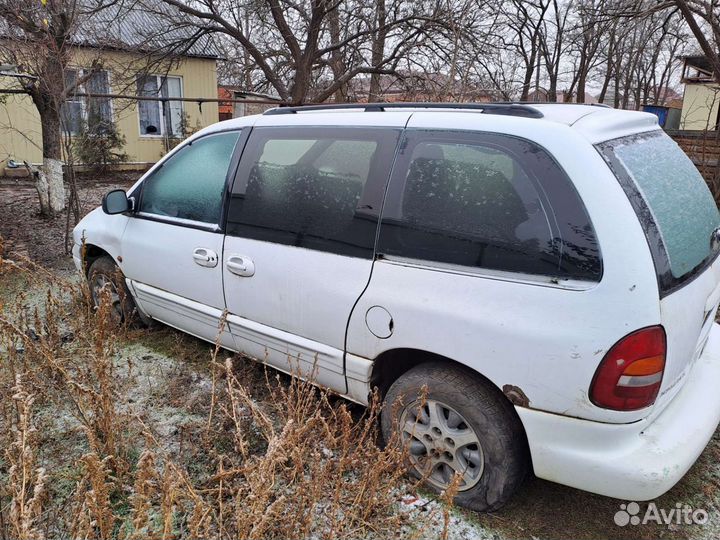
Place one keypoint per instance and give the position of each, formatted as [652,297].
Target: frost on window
[190,184]
[678,197]
[305,192]
[470,205]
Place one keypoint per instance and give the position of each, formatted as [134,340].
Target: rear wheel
[105,278]
[460,425]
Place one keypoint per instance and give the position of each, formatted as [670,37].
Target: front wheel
[105,278]
[453,423]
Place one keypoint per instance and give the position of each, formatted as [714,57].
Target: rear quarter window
[671,199]
[491,201]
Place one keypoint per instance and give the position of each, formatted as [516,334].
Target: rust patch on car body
[516,395]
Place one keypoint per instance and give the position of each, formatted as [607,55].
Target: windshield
[675,196]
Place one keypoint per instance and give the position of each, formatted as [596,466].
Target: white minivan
[530,287]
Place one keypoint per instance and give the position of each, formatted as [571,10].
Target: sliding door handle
[240,265]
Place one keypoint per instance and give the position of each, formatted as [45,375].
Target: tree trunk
[378,50]
[552,89]
[336,59]
[582,76]
[50,186]
[581,88]
[301,82]
[527,79]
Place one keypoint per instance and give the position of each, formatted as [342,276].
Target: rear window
[671,199]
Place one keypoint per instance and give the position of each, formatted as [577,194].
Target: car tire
[442,409]
[104,273]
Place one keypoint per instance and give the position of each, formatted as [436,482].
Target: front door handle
[240,265]
[205,257]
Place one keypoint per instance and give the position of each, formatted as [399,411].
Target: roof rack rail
[509,109]
[531,103]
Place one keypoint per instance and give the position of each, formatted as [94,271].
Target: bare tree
[553,45]
[311,50]
[590,26]
[42,40]
[37,38]
[523,24]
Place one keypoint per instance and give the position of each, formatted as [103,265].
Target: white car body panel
[638,461]
[482,303]
[195,318]
[159,256]
[99,229]
[539,340]
[279,295]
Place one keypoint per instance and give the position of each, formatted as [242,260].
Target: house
[130,66]
[418,86]
[236,102]
[561,96]
[701,102]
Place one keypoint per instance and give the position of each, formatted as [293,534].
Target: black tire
[104,273]
[501,461]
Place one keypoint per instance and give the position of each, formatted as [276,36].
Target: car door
[172,245]
[301,228]
[487,256]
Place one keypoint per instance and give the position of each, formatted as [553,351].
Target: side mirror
[116,202]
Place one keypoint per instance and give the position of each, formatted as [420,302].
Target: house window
[81,112]
[160,117]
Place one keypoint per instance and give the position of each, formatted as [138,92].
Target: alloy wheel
[442,443]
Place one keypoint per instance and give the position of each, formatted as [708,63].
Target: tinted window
[674,193]
[314,188]
[487,201]
[190,185]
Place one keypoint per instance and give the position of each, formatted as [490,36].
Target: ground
[165,383]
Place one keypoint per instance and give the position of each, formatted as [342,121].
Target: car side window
[317,188]
[191,183]
[487,201]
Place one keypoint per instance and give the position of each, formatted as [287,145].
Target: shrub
[100,146]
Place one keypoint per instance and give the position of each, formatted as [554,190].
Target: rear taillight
[630,374]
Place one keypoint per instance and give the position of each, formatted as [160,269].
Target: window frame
[159,102]
[374,188]
[413,137]
[137,193]
[83,100]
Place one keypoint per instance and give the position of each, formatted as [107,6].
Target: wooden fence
[703,147]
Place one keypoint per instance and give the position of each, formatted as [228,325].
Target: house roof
[138,25]
[699,61]
[143,25]
[230,92]
[697,69]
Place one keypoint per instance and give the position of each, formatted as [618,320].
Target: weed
[272,457]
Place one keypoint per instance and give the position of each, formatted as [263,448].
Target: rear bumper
[638,461]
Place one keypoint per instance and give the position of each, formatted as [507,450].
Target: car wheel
[104,277]
[453,422]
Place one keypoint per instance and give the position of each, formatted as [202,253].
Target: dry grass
[77,461]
